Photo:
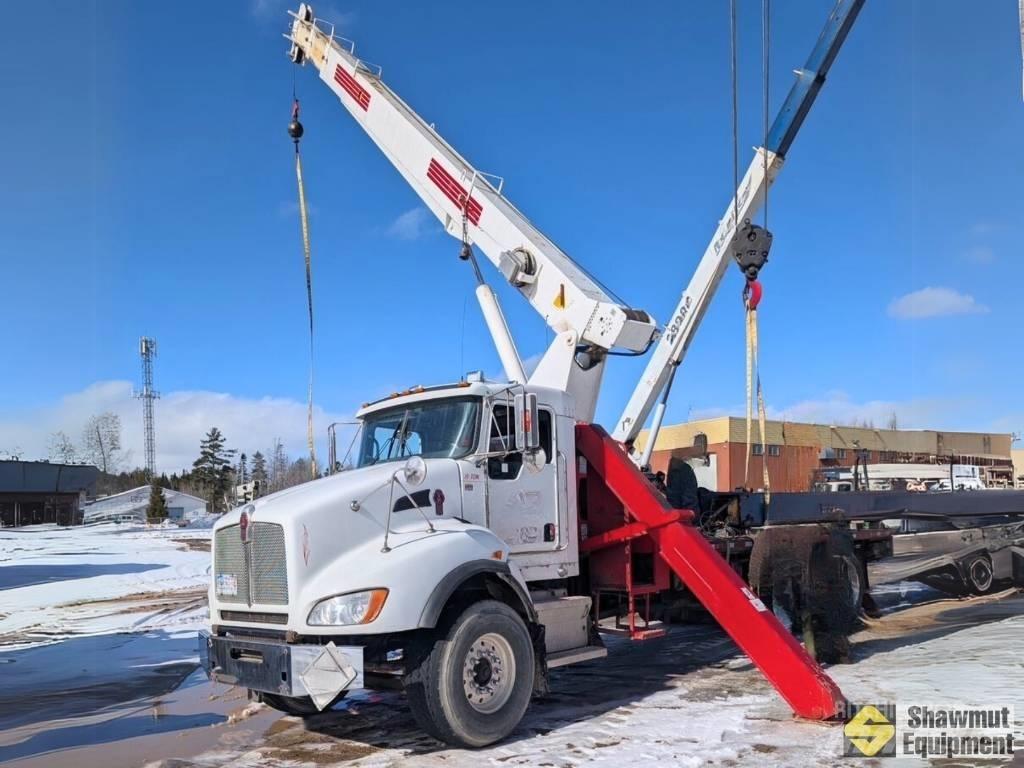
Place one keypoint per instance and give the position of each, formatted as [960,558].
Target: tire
[298,706]
[472,685]
[979,575]
[853,574]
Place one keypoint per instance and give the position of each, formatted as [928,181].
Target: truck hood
[342,512]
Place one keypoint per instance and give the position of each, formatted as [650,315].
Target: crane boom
[557,287]
[767,162]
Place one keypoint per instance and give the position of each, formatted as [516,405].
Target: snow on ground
[62,582]
[684,700]
[98,665]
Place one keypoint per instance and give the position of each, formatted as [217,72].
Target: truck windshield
[437,429]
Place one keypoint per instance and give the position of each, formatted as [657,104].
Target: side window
[547,442]
[502,438]
[503,428]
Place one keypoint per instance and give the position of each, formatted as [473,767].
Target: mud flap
[1017,554]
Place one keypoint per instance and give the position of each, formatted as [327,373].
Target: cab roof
[420,393]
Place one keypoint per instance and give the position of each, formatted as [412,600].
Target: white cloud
[980,254]
[411,225]
[836,408]
[182,418]
[935,302]
[530,364]
[263,9]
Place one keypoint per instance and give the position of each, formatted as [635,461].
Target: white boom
[568,299]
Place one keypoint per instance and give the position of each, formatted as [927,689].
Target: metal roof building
[37,492]
[130,506]
[793,451]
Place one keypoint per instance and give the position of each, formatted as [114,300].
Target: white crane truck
[463,554]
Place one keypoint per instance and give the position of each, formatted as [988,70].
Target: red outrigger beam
[769,645]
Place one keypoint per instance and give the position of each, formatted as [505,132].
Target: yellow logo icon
[870,732]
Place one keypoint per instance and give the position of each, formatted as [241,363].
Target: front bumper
[318,671]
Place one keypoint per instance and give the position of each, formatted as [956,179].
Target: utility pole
[147,351]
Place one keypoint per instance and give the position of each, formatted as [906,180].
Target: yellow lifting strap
[754,384]
[295,131]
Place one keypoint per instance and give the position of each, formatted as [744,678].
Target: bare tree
[61,449]
[893,423]
[101,442]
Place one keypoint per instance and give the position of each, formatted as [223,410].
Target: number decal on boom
[678,320]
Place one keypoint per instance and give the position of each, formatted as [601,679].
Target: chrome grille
[269,575]
[257,569]
[229,562]
[255,618]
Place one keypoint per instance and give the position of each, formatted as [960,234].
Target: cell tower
[147,351]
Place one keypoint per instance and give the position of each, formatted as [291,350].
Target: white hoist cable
[754,388]
[295,130]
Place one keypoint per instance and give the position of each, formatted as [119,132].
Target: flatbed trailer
[961,542]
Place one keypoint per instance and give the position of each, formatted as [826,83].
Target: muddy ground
[688,698]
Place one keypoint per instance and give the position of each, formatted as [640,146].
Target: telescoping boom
[749,197]
[587,321]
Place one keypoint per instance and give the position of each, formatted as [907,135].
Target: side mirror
[527,423]
[415,470]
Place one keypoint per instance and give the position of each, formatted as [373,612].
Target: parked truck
[488,531]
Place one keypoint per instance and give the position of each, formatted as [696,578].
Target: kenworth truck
[487,528]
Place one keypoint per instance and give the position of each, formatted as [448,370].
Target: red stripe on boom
[352,88]
[454,191]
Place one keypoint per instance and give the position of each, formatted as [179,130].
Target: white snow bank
[52,580]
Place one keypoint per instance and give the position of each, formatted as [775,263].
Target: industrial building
[796,453]
[38,492]
[1017,455]
[130,506]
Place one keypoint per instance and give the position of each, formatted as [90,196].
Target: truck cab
[459,504]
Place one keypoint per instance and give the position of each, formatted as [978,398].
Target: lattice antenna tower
[147,351]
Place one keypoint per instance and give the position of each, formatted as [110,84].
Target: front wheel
[472,686]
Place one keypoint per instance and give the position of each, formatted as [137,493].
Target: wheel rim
[489,673]
[981,574]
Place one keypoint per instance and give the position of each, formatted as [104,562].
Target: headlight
[344,610]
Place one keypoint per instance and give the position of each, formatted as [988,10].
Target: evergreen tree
[243,469]
[279,464]
[157,509]
[259,468]
[259,474]
[213,470]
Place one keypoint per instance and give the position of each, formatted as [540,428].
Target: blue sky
[149,189]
